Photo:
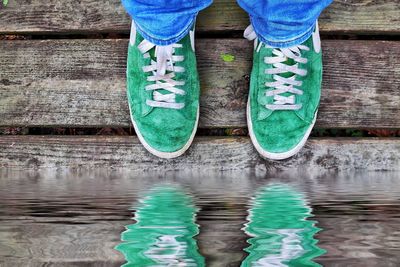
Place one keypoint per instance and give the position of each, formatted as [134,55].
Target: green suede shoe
[163,94]
[284,96]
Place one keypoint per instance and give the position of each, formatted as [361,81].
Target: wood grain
[88,16]
[207,153]
[81,83]
[75,218]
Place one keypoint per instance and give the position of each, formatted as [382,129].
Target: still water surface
[112,218]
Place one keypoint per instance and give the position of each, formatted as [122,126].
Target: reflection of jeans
[279,23]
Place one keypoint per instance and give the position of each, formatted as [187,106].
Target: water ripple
[281,234]
[163,232]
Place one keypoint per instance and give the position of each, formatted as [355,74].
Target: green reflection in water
[281,234]
[163,232]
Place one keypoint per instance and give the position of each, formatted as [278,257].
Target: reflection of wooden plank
[82,83]
[212,153]
[27,243]
[52,16]
[75,218]
[368,233]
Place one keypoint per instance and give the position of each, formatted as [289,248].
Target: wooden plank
[82,83]
[225,153]
[88,16]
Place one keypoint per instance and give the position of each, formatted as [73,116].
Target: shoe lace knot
[283,88]
[163,75]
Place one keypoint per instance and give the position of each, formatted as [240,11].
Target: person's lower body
[163,87]
[278,23]
[164,22]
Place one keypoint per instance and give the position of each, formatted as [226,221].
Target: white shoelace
[282,85]
[162,80]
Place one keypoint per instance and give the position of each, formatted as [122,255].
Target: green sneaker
[163,94]
[284,96]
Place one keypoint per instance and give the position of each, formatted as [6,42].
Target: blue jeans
[278,23]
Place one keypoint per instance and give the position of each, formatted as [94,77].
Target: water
[112,218]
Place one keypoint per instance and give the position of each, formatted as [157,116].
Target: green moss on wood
[228,57]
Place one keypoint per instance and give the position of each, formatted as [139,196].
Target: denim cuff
[297,40]
[171,40]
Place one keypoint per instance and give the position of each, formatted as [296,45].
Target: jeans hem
[299,39]
[171,40]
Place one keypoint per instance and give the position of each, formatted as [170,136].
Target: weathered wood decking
[76,219]
[88,16]
[64,82]
[214,153]
[43,79]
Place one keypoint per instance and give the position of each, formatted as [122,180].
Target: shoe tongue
[301,112]
[153,57]
[289,62]
[152,53]
[264,112]
[178,98]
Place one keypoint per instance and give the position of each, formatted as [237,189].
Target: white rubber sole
[271,155]
[161,154]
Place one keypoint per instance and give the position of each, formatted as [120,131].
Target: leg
[162,79]
[285,85]
[283,23]
[164,22]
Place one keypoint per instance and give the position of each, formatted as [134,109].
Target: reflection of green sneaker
[163,94]
[284,95]
[281,233]
[163,232]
